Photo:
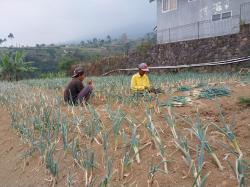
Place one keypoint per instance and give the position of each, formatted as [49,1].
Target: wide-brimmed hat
[143,67]
[78,71]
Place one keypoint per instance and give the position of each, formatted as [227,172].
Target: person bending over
[140,81]
[76,92]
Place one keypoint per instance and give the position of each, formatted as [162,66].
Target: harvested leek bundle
[210,93]
[184,88]
[201,84]
[176,101]
[244,101]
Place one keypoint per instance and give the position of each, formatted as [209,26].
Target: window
[220,16]
[216,17]
[168,5]
[226,15]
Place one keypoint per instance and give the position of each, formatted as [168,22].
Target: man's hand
[90,82]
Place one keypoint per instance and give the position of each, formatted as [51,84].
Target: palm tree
[12,67]
[5,67]
[11,37]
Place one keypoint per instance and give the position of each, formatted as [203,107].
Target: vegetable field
[196,133]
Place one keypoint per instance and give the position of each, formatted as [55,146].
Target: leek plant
[196,169]
[152,172]
[200,134]
[134,144]
[51,165]
[156,138]
[105,141]
[182,144]
[229,134]
[126,160]
[200,180]
[75,148]
[70,180]
[94,125]
[105,146]
[88,164]
[116,119]
[241,171]
[108,173]
[240,164]
[170,122]
[65,135]
[227,131]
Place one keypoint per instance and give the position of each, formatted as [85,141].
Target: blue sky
[55,21]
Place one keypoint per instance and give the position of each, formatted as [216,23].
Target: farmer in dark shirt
[76,92]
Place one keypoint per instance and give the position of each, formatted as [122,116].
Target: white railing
[202,29]
[245,13]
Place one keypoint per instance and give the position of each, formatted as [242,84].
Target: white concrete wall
[193,20]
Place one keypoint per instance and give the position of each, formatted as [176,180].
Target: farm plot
[195,134]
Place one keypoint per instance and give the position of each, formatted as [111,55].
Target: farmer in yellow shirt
[140,81]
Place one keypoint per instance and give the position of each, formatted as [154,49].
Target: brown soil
[17,172]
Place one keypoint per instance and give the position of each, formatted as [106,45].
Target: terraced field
[196,133]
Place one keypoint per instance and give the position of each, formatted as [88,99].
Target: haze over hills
[133,31]
[57,21]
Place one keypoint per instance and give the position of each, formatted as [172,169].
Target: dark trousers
[84,94]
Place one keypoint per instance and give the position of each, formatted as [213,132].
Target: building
[181,20]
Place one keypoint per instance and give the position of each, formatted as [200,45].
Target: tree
[82,43]
[124,38]
[12,67]
[126,48]
[11,36]
[95,42]
[109,39]
[101,42]
[2,41]
[65,63]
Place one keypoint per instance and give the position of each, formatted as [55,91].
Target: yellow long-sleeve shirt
[139,83]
